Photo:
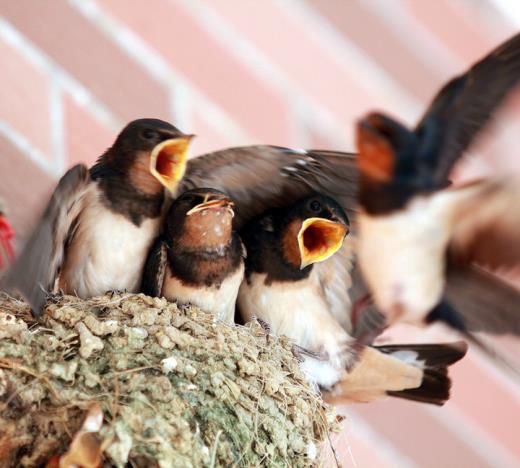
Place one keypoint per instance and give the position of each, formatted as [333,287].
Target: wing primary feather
[155,269]
[34,273]
[464,106]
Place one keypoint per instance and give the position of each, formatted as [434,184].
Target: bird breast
[218,299]
[107,250]
[298,310]
[402,257]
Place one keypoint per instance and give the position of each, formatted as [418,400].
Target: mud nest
[175,387]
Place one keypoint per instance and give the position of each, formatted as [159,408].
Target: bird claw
[300,353]
[265,327]
[184,307]
[55,297]
[115,292]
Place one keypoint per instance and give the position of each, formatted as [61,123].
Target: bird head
[201,218]
[388,163]
[315,230]
[154,153]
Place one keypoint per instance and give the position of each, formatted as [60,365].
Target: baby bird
[284,288]
[199,258]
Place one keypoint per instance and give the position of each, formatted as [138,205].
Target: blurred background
[285,72]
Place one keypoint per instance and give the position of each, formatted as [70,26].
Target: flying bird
[199,258]
[289,249]
[100,222]
[422,242]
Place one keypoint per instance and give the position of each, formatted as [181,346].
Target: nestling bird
[199,259]
[99,224]
[282,287]
[421,240]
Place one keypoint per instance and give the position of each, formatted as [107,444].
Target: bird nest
[172,386]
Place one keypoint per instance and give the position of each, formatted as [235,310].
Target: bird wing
[486,303]
[417,372]
[154,269]
[488,225]
[335,281]
[464,105]
[261,177]
[34,273]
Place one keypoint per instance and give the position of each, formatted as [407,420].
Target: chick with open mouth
[199,259]
[288,287]
[100,222]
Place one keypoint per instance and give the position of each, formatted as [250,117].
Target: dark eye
[149,134]
[188,198]
[315,205]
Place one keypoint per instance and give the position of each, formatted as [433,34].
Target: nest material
[176,388]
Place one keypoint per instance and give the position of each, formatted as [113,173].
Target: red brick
[85,137]
[487,402]
[208,138]
[418,434]
[90,56]
[386,47]
[24,187]
[211,66]
[301,56]
[24,94]
[451,22]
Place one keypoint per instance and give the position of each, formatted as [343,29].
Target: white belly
[219,301]
[299,311]
[108,251]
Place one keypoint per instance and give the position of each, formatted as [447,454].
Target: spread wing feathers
[334,278]
[261,177]
[486,303]
[487,230]
[154,269]
[463,107]
[415,372]
[34,273]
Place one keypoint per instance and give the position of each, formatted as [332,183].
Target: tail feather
[434,359]
[417,372]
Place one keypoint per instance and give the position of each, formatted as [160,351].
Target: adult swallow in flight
[422,242]
[287,249]
[100,222]
[199,259]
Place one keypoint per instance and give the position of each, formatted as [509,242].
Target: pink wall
[285,72]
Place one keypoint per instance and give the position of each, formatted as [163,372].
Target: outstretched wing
[35,271]
[261,177]
[463,107]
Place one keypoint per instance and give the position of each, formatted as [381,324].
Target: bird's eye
[149,134]
[315,205]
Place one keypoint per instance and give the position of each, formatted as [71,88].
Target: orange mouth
[168,161]
[319,239]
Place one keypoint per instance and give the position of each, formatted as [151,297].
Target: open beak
[319,238]
[209,204]
[168,161]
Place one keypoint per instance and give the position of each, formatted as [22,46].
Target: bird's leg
[115,292]
[184,306]
[300,353]
[265,327]
[55,297]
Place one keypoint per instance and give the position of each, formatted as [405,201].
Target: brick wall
[288,72]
